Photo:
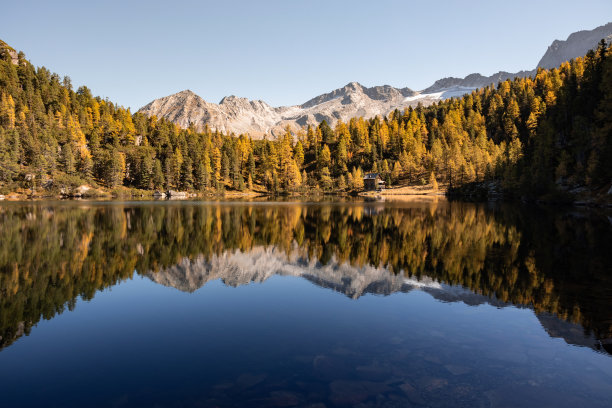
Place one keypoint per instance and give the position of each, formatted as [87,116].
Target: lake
[304,304]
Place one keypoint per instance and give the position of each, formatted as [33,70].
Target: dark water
[309,305]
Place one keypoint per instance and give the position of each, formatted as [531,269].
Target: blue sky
[284,52]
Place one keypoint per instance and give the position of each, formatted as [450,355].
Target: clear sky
[284,52]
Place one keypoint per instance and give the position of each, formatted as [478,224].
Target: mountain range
[256,117]
[241,115]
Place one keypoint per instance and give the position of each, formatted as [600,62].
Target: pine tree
[326,180]
[433,182]
[341,183]
[69,162]
[397,171]
[115,168]
[186,180]
[324,158]
[299,154]
[158,175]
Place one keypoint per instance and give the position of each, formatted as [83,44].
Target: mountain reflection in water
[556,263]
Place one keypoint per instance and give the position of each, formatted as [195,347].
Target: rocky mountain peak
[577,44]
[347,90]
[353,87]
[185,95]
[230,99]
[241,115]
[387,92]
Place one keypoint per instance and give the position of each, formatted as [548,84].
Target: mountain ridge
[576,44]
[240,115]
[237,115]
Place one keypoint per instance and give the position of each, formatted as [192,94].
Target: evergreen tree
[69,163]
[187,174]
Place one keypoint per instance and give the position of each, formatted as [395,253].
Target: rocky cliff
[577,44]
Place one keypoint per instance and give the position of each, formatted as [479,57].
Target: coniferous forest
[532,137]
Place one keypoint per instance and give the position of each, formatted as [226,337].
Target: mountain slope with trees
[532,136]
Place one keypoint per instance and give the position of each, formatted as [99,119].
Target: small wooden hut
[373,182]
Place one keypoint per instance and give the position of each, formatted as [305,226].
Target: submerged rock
[412,393]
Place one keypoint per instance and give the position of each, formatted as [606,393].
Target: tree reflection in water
[555,262]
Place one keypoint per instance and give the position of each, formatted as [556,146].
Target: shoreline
[401,193]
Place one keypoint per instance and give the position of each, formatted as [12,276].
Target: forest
[531,136]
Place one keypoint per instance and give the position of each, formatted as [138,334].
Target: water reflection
[554,262]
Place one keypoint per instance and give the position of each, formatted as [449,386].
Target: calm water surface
[181,304]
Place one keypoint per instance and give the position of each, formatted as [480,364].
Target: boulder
[175,194]
[82,189]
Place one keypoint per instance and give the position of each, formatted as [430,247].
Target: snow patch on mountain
[444,93]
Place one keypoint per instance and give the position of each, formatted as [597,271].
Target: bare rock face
[350,101]
[576,45]
[257,118]
[5,49]
[232,114]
